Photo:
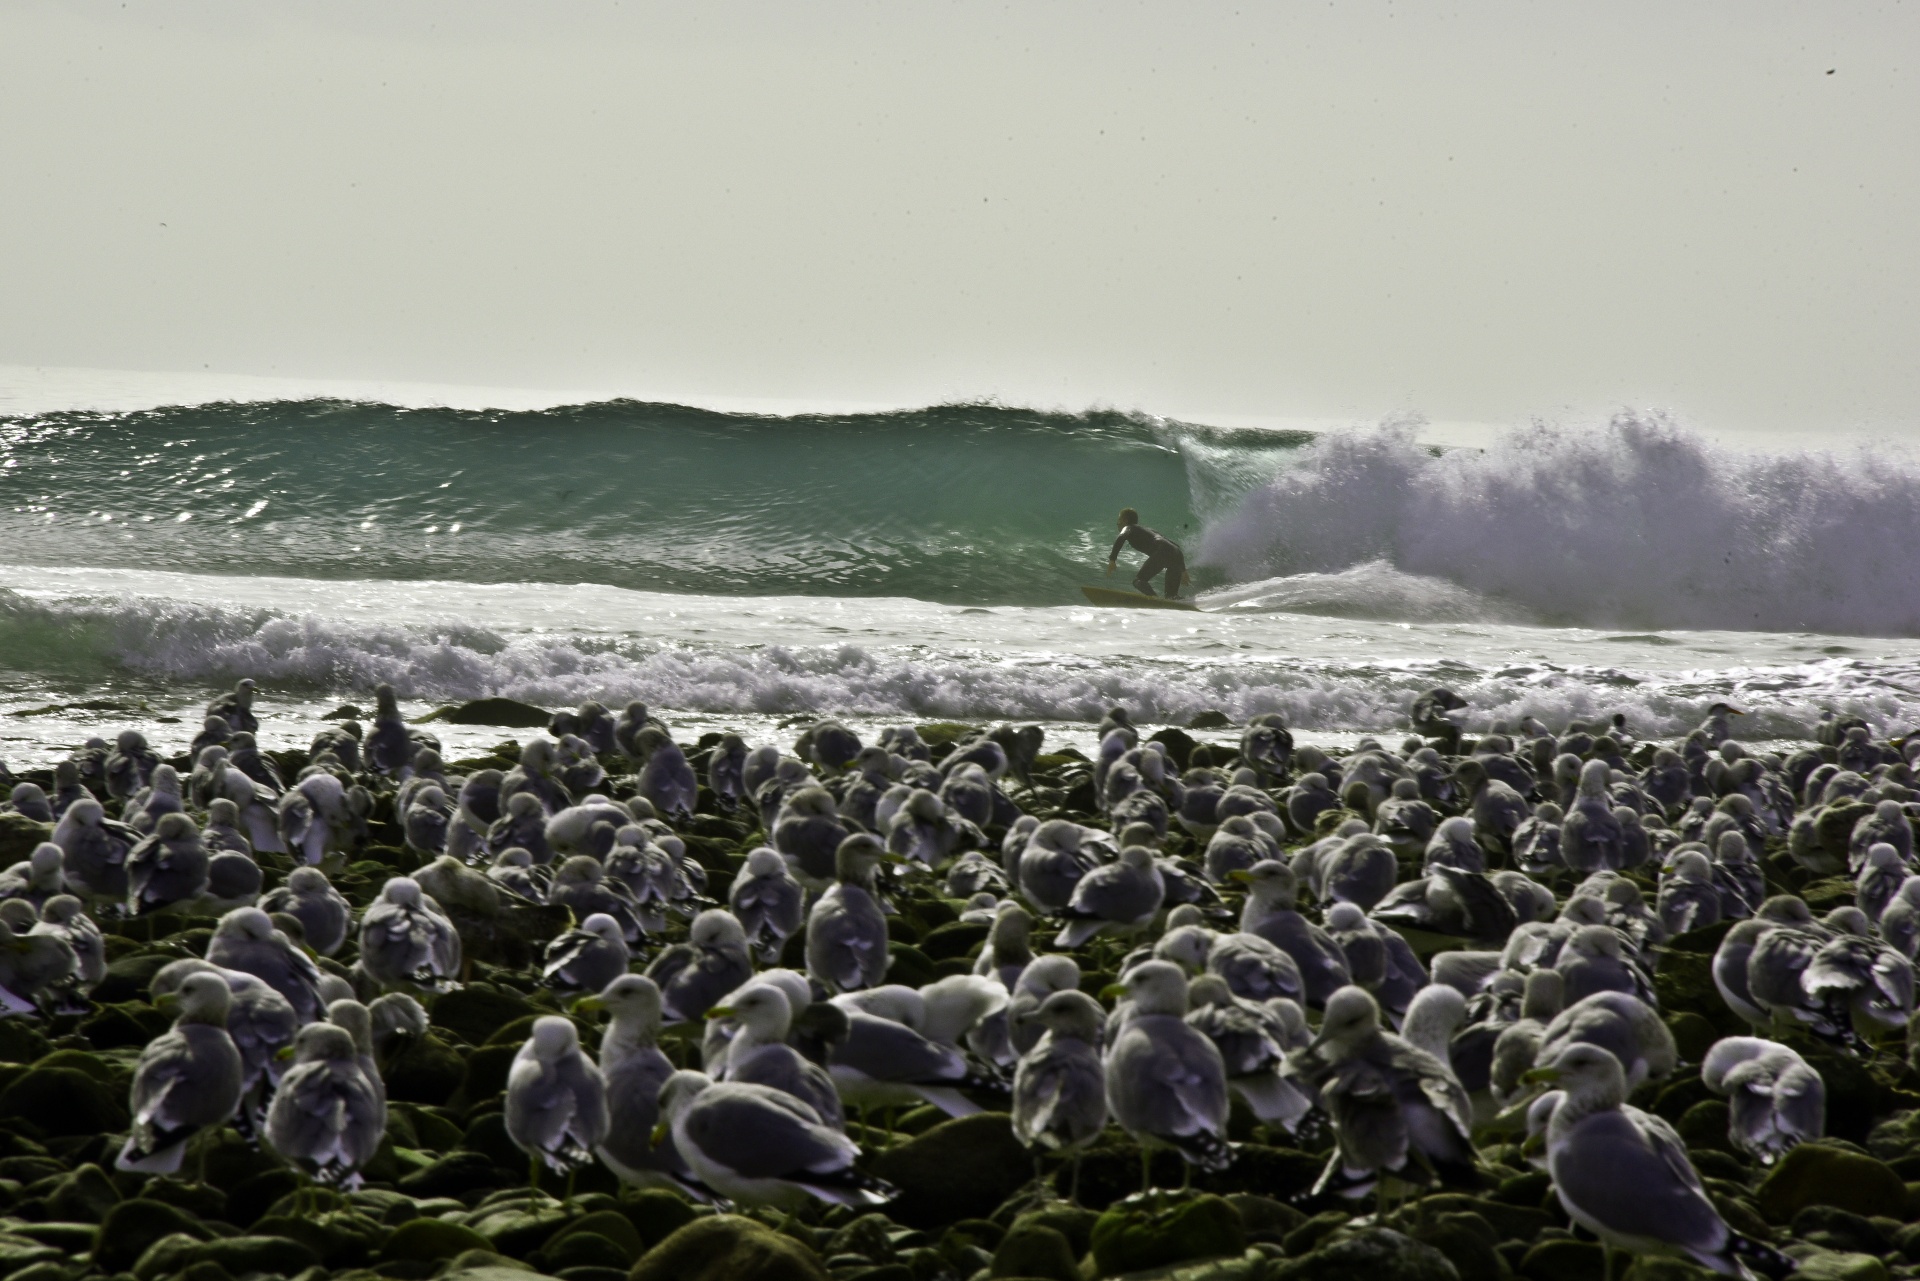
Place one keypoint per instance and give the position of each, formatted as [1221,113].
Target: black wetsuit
[1161,553]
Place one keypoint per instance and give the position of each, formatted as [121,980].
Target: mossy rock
[63,1101]
[1820,1174]
[427,1240]
[85,1196]
[516,1229]
[657,1214]
[953,940]
[426,1071]
[238,1255]
[583,1250]
[1839,1265]
[133,1226]
[1070,1221]
[475,1012]
[129,1023]
[1656,1268]
[1377,1254]
[1563,1260]
[1468,1241]
[341,1238]
[1133,1236]
[610,1224]
[728,1247]
[959,1169]
[485,1077]
[18,1253]
[509,713]
[1033,1250]
[1693,1034]
[456,1174]
[18,837]
[21,1042]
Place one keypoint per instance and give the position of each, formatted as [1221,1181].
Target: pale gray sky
[1271,212]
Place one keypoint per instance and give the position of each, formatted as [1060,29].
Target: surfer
[1161,553]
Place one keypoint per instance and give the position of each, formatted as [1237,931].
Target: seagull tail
[1753,1256]
[849,1187]
[1206,1149]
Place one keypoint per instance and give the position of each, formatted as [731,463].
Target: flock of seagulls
[1403,948]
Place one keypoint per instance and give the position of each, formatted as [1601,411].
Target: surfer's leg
[1143,581]
[1176,578]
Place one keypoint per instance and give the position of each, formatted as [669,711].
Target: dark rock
[250,1198]
[657,1214]
[488,1136]
[508,713]
[425,1070]
[1468,1241]
[728,1247]
[1563,1260]
[1142,1234]
[485,1078]
[1264,1218]
[63,1100]
[1704,1125]
[129,1023]
[1211,719]
[18,1253]
[342,1238]
[84,1196]
[431,1239]
[515,1228]
[18,836]
[609,1225]
[129,978]
[1840,1266]
[1654,1267]
[238,1255]
[1034,1250]
[1510,1222]
[1315,1230]
[1833,1229]
[960,1169]
[21,1042]
[197,1199]
[454,1174]
[133,1226]
[957,939]
[1693,1035]
[584,1250]
[1820,1174]
[1378,1254]
[478,1010]
[1070,1221]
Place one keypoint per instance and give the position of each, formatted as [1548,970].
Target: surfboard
[1112,599]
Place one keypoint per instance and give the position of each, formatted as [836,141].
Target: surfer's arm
[1114,555]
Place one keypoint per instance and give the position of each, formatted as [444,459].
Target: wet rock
[431,1239]
[508,713]
[238,1255]
[1833,1229]
[956,939]
[127,1024]
[960,1169]
[1377,1254]
[1070,1221]
[1820,1174]
[1153,1232]
[341,1238]
[728,1247]
[1033,1250]
[485,1077]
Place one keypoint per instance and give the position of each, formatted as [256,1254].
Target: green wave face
[964,504]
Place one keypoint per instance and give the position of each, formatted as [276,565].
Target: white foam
[1637,523]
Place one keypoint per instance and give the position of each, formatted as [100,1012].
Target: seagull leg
[566,1203]
[533,1173]
[1073,1196]
[1146,1170]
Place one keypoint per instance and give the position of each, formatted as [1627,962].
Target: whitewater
[739,570]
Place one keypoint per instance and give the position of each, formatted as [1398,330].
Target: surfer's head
[1128,516]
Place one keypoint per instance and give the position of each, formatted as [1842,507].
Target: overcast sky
[1478,212]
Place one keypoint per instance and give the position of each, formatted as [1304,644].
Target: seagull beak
[660,1133]
[1241,875]
[722,1012]
[1734,711]
[168,1004]
[1113,991]
[1533,1145]
[1541,1076]
[284,1053]
[588,1005]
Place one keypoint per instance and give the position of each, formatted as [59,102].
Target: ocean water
[748,571]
